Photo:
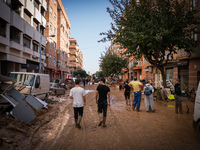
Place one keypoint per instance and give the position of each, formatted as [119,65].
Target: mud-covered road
[54,129]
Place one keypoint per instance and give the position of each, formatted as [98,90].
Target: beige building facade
[22,28]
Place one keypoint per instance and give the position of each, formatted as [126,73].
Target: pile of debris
[12,102]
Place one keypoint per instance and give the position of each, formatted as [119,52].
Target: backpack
[147,90]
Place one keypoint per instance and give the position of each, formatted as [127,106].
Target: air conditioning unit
[47,55]
[43,68]
[47,24]
[45,64]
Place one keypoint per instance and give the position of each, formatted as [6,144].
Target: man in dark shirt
[102,92]
[178,103]
[127,89]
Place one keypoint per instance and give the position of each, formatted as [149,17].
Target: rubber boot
[79,121]
[104,121]
[76,123]
[180,110]
[100,119]
[176,110]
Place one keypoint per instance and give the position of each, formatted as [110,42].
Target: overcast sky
[88,18]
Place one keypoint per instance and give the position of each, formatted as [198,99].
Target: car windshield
[23,79]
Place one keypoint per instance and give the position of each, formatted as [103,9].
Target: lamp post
[53,35]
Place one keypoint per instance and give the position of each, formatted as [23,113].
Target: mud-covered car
[56,89]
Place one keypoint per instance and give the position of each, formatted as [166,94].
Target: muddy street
[126,129]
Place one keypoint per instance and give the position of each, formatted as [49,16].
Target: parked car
[196,120]
[56,89]
[36,84]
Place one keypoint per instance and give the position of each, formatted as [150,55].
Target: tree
[155,29]
[112,64]
[81,73]
[99,74]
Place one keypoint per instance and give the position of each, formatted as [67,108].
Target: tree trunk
[163,73]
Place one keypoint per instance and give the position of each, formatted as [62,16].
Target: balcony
[16,21]
[16,46]
[4,12]
[28,29]
[36,36]
[44,22]
[29,6]
[36,54]
[4,40]
[37,15]
[22,2]
[27,50]
[44,4]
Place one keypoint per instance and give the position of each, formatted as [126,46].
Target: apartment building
[57,49]
[22,25]
[76,57]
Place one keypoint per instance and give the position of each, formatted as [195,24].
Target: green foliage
[99,74]
[112,64]
[81,73]
[155,29]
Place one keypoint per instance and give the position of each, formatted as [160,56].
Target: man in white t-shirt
[78,95]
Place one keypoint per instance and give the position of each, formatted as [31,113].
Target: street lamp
[53,35]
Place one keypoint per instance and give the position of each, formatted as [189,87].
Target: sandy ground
[126,129]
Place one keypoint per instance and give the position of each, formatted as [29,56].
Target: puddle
[88,91]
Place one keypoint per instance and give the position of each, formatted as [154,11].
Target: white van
[196,121]
[36,84]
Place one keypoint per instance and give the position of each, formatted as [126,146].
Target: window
[3,29]
[51,28]
[54,61]
[194,35]
[55,31]
[54,17]
[54,46]
[50,46]
[50,60]
[14,34]
[137,2]
[55,4]
[35,47]
[37,82]
[26,42]
[51,11]
[193,4]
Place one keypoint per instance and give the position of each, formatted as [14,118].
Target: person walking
[78,95]
[148,92]
[84,82]
[127,90]
[178,103]
[137,93]
[102,94]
